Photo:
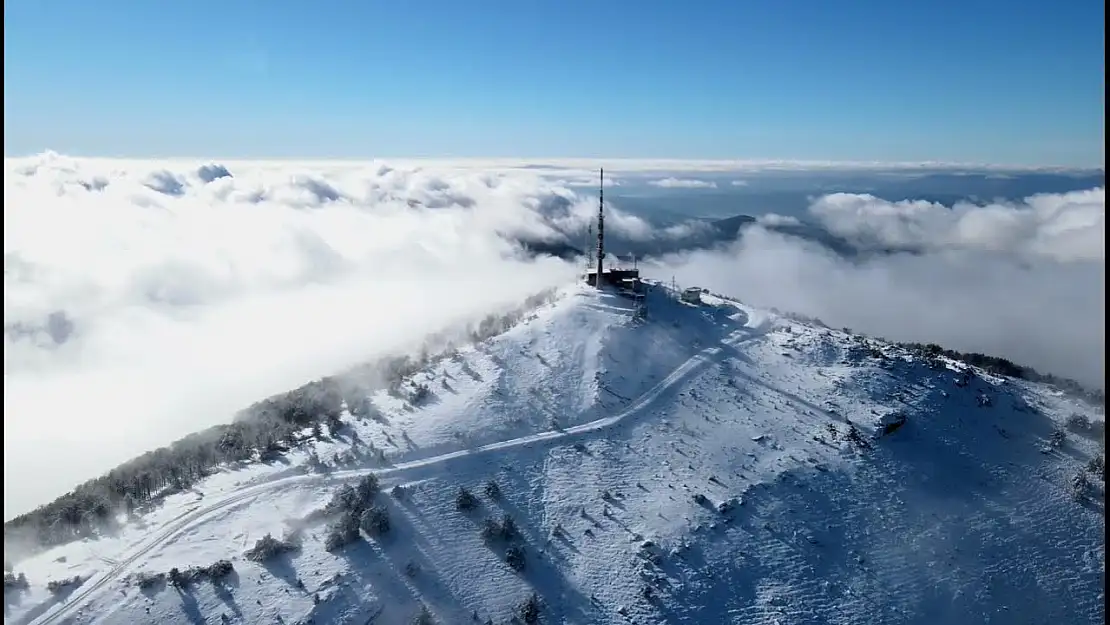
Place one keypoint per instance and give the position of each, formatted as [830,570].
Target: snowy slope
[613,442]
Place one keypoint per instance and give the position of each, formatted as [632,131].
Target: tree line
[1004,367]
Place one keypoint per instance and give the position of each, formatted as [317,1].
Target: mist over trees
[260,432]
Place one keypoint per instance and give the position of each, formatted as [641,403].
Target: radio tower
[600,227]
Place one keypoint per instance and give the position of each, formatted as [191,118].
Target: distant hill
[700,235]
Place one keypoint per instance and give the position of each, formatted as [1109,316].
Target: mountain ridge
[599,358]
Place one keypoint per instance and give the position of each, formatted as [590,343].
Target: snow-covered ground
[697,466]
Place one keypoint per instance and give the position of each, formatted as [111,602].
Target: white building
[692,295]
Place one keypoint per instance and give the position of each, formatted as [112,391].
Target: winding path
[753,327]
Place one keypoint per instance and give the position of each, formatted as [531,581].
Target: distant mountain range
[702,234]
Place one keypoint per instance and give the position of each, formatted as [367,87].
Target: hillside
[710,464]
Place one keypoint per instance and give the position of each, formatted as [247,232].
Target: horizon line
[578,162]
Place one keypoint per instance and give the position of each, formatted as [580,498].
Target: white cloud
[145,300]
[1064,227]
[774,219]
[683,183]
[1023,281]
[739,183]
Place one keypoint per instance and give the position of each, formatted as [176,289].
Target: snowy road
[753,327]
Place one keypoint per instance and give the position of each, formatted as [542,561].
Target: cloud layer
[1068,227]
[1024,281]
[146,300]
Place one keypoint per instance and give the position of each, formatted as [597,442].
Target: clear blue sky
[1003,81]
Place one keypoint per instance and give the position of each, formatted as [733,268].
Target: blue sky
[1016,82]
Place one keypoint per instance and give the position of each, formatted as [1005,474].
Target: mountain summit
[698,463]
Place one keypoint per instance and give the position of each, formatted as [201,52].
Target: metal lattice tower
[600,227]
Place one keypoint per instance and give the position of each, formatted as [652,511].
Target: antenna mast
[589,250]
[600,226]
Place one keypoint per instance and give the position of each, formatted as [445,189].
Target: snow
[702,453]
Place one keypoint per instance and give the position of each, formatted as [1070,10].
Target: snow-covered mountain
[707,463]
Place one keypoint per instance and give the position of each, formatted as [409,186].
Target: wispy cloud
[683,183]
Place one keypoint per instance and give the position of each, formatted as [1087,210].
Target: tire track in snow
[754,327]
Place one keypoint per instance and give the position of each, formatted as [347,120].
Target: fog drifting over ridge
[145,300]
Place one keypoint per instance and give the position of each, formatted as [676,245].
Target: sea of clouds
[144,300]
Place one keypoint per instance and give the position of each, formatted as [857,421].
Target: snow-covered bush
[505,529]
[1097,465]
[368,487]
[342,531]
[1057,438]
[146,579]
[514,557]
[213,572]
[420,393]
[344,499]
[508,528]
[1081,486]
[354,499]
[493,491]
[15,582]
[335,424]
[268,547]
[465,500]
[375,521]
[530,610]
[1078,422]
[56,586]
[856,438]
[423,616]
